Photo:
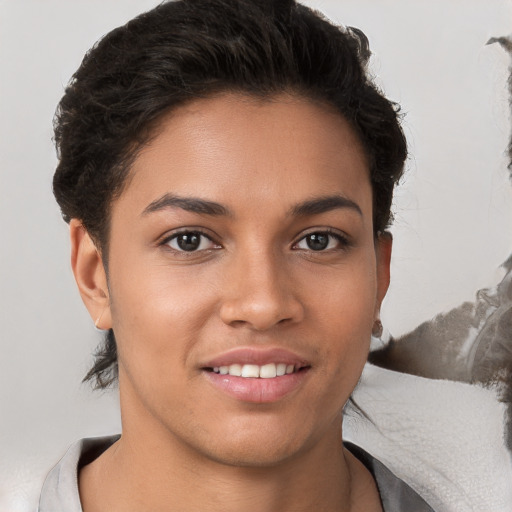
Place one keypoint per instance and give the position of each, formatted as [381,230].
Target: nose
[260,293]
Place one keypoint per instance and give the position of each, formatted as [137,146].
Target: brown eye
[321,241]
[190,241]
[317,241]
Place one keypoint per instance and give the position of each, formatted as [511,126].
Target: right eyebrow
[189,204]
[319,205]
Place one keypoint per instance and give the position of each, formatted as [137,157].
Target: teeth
[250,370]
[235,369]
[267,371]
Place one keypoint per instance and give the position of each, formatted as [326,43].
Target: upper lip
[258,356]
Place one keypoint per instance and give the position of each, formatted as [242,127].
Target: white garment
[444,438]
[60,491]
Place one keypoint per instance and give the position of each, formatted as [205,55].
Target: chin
[253,455]
[262,443]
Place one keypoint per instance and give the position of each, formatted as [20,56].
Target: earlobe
[383,247]
[90,275]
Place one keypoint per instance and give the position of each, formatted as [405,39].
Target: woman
[227,169]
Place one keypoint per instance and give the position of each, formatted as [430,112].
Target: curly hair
[188,49]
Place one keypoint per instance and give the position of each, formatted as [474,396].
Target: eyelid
[342,237]
[165,239]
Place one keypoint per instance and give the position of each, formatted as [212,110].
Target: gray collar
[60,489]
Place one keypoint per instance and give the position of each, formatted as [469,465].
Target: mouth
[257,375]
[254,371]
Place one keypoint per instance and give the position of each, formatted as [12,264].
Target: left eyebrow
[189,204]
[324,204]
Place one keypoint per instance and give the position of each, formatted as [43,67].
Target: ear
[383,247]
[90,275]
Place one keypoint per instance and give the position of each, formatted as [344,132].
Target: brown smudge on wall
[471,343]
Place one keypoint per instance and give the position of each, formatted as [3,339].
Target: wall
[453,211]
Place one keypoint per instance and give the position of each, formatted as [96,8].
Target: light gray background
[453,211]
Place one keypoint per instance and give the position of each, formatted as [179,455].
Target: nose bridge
[259,290]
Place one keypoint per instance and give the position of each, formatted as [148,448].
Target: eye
[321,241]
[190,241]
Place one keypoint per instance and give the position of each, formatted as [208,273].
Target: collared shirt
[60,490]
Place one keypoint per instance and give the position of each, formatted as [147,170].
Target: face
[244,278]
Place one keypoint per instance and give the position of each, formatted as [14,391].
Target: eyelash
[341,239]
[166,241]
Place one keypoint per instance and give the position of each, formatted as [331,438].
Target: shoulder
[445,439]
[395,494]
[60,489]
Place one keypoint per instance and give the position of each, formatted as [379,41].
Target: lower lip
[257,390]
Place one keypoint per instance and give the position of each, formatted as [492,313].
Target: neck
[149,469]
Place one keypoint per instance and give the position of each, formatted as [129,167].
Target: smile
[257,375]
[254,371]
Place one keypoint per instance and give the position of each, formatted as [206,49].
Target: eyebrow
[324,204]
[189,204]
[202,206]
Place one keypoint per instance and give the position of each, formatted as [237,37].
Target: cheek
[158,314]
[345,298]
[344,311]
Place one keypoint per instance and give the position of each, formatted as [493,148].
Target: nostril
[261,313]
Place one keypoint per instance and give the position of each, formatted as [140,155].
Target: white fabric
[61,486]
[444,438]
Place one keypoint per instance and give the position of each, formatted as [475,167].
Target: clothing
[445,439]
[395,494]
[60,490]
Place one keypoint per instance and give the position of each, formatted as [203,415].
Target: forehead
[236,148]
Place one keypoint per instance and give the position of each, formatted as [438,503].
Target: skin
[254,282]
